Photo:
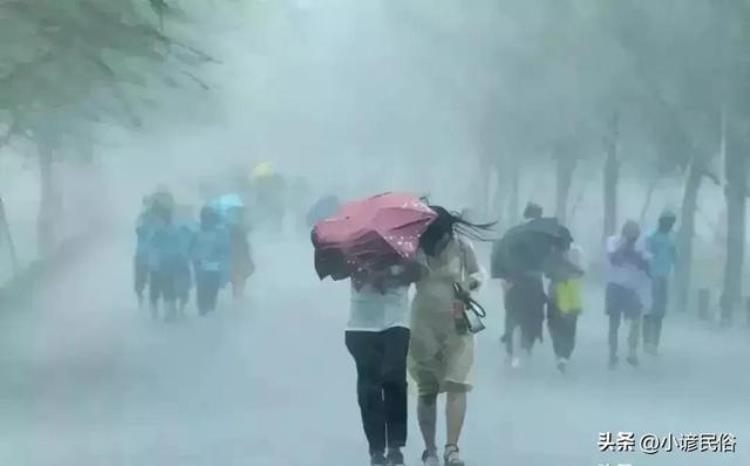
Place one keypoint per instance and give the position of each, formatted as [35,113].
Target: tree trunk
[735,193]
[566,165]
[5,232]
[515,187]
[685,236]
[485,185]
[647,201]
[611,176]
[499,195]
[49,204]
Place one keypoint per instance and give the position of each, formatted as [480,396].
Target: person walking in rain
[211,256]
[184,279]
[520,265]
[377,337]
[628,290]
[441,355]
[564,270]
[143,230]
[164,260]
[661,245]
[242,266]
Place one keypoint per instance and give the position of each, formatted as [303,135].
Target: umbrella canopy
[229,207]
[378,231]
[524,248]
[227,202]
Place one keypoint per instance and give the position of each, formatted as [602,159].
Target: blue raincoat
[185,237]
[164,248]
[211,252]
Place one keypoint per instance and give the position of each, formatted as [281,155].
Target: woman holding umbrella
[441,354]
[374,243]
[377,337]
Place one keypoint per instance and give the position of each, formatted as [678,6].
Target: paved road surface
[88,380]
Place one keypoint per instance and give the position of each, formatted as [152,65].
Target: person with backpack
[564,270]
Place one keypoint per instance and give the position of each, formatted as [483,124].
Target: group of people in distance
[175,253]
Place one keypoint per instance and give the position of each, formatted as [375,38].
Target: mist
[481,106]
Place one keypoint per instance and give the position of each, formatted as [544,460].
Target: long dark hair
[454,224]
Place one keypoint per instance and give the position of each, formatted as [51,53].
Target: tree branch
[199,81]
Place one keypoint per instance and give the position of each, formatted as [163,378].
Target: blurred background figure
[628,290]
[165,256]
[211,257]
[143,229]
[663,250]
[185,225]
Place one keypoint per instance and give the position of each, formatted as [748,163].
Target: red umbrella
[379,231]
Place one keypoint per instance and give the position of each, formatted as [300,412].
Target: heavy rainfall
[374,232]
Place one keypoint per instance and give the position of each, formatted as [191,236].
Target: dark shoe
[377,459]
[562,365]
[633,361]
[394,457]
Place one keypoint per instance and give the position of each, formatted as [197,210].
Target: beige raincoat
[438,354]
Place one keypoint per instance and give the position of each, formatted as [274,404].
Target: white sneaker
[515,363]
[430,458]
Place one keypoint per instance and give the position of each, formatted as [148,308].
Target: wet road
[88,380]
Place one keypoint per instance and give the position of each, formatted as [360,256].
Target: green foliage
[84,61]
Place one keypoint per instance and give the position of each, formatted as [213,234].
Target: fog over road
[88,380]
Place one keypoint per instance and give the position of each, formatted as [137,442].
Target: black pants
[652,321]
[207,290]
[381,385]
[562,330]
[524,308]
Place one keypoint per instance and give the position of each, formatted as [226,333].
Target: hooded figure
[165,256]
[211,259]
